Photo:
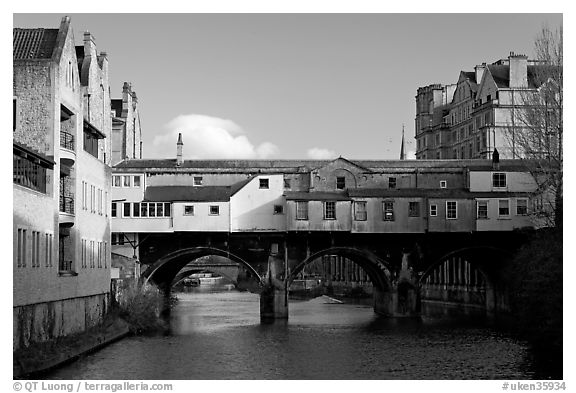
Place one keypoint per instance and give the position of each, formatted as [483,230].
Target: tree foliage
[536,129]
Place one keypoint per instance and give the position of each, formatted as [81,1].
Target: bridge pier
[273,304]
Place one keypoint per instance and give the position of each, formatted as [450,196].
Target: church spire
[402,154]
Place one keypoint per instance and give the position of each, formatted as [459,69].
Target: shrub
[141,305]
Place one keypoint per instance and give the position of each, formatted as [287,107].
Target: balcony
[67,148]
[66,215]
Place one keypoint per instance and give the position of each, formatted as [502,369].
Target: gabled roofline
[61,39]
[348,161]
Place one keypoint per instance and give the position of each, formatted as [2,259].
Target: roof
[316,196]
[254,167]
[187,193]
[501,75]
[426,193]
[24,150]
[33,43]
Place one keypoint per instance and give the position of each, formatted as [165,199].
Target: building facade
[338,196]
[470,119]
[61,184]
[126,128]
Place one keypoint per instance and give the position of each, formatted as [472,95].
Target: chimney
[518,70]
[179,145]
[479,70]
[89,45]
[495,160]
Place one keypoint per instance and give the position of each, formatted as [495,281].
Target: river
[218,335]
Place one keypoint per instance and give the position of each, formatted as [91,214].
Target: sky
[290,86]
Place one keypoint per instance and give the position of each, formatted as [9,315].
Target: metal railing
[67,140]
[66,204]
[65,266]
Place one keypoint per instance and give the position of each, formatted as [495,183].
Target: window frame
[413,212]
[360,214]
[299,216]
[190,209]
[278,209]
[392,183]
[340,182]
[448,210]
[443,184]
[496,183]
[435,206]
[500,215]
[332,216]
[264,183]
[216,212]
[197,181]
[385,209]
[134,178]
[478,203]
[526,206]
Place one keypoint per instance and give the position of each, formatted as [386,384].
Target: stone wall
[41,322]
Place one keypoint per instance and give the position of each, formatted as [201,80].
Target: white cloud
[317,153]
[207,137]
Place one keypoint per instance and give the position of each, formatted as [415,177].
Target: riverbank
[42,357]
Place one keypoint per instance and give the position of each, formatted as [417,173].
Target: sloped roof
[316,196]
[501,75]
[426,192]
[187,193]
[33,43]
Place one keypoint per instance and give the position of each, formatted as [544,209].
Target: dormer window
[499,180]
[340,182]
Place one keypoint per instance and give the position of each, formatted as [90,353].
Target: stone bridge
[405,269]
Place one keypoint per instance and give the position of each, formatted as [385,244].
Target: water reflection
[218,335]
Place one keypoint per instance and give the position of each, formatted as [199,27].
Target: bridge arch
[467,275]
[376,268]
[191,269]
[165,269]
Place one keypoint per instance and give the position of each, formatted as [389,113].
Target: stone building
[469,119]
[61,184]
[126,128]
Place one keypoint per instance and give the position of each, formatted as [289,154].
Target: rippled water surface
[219,336]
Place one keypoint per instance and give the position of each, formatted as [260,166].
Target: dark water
[219,336]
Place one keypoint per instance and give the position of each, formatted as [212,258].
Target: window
[197,180]
[413,209]
[85,252]
[451,210]
[143,210]
[388,211]
[100,201]
[443,183]
[29,174]
[482,210]
[360,211]
[503,208]
[90,143]
[114,207]
[22,247]
[84,190]
[188,210]
[137,181]
[167,209]
[92,252]
[126,182]
[499,180]
[264,183]
[14,114]
[301,210]
[274,248]
[35,249]
[105,253]
[127,206]
[278,209]
[99,255]
[287,183]
[159,210]
[106,203]
[391,182]
[214,210]
[136,210]
[433,210]
[340,182]
[92,199]
[329,210]
[521,207]
[151,210]
[116,181]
